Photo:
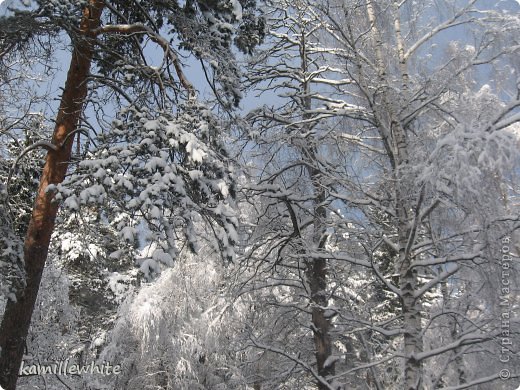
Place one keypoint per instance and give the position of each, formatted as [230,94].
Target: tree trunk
[317,274]
[408,281]
[412,332]
[398,154]
[17,315]
[317,268]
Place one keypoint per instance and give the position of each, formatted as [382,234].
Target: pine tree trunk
[17,315]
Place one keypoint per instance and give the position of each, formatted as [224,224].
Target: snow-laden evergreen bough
[168,174]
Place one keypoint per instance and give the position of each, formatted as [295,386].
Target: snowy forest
[259,194]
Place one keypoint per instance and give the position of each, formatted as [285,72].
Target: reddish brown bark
[17,315]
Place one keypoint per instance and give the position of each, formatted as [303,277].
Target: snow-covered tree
[21,126]
[411,179]
[180,331]
[109,41]
[375,213]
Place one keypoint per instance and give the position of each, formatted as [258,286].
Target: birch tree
[404,107]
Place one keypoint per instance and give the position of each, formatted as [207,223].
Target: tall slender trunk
[408,281]
[412,330]
[317,271]
[17,315]
[392,128]
[317,268]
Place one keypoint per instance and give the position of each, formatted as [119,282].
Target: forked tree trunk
[17,315]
